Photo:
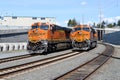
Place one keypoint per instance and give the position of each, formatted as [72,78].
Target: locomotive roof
[57,27]
[81,26]
[62,28]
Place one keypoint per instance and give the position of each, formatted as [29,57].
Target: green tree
[114,24]
[72,23]
[94,24]
[69,22]
[110,25]
[103,24]
[118,23]
[98,25]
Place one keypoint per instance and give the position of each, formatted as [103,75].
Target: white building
[24,20]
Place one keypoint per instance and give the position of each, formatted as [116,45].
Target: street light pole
[83,19]
[100,26]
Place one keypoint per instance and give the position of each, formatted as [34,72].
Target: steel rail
[84,71]
[13,70]
[15,58]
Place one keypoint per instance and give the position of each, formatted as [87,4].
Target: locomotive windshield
[86,29]
[33,27]
[44,27]
[75,29]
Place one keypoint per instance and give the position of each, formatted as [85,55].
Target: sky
[84,11]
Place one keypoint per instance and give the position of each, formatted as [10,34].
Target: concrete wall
[12,46]
[112,38]
[102,32]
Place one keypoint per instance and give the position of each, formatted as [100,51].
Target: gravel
[12,54]
[21,61]
[109,71]
[54,70]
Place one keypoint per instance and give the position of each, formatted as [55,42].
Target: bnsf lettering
[41,33]
[37,34]
[61,34]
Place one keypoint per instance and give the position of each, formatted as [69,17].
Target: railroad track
[13,70]
[15,58]
[84,71]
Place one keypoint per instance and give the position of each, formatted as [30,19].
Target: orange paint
[38,33]
[82,33]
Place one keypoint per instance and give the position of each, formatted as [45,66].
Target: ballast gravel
[34,58]
[52,71]
[110,70]
[12,54]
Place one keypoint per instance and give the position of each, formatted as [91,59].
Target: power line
[117,3]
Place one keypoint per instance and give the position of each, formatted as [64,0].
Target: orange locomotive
[83,37]
[45,37]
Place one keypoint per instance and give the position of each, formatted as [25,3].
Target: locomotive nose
[80,32]
[35,31]
[80,36]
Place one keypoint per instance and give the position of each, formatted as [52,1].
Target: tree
[118,23]
[98,25]
[94,24]
[72,23]
[110,25]
[114,24]
[103,24]
[69,22]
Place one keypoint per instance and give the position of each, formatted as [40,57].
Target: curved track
[84,71]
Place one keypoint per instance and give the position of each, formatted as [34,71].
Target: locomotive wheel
[54,48]
[93,44]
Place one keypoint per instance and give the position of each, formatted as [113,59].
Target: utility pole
[100,26]
[100,18]
[83,19]
[116,3]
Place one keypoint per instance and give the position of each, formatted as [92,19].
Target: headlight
[80,33]
[45,42]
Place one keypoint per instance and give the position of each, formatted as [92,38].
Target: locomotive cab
[83,37]
[37,37]
[44,37]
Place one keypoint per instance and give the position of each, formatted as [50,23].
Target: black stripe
[12,34]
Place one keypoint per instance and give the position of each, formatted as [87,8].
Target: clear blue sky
[63,10]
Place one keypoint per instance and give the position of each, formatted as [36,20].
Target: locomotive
[83,37]
[46,37]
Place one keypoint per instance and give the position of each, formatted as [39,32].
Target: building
[24,20]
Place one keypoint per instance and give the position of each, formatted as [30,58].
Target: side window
[93,30]
[57,27]
[86,29]
[53,28]
[34,27]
